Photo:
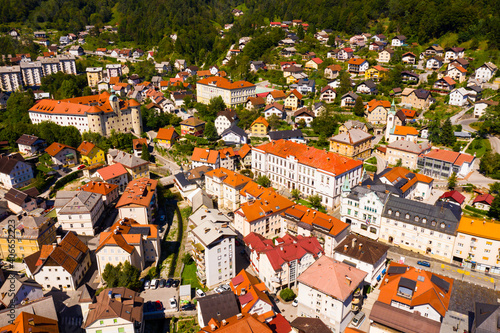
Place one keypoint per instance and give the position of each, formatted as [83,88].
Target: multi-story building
[477,245]
[385,55]
[32,73]
[416,98]
[420,227]
[225,119]
[192,126]
[233,93]
[78,211]
[30,144]
[96,113]
[136,167]
[279,264]
[331,291]
[167,137]
[441,164]
[61,265]
[23,201]
[365,254]
[411,300]
[213,247]
[62,155]
[14,171]
[31,233]
[407,152]
[411,184]
[116,310]
[485,72]
[357,66]
[113,174]
[139,201]
[90,153]
[313,171]
[94,75]
[10,78]
[114,70]
[481,106]
[354,143]
[225,185]
[18,290]
[109,192]
[223,158]
[300,220]
[130,241]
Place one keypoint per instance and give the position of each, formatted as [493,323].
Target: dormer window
[407,216]
[442,225]
[416,218]
[389,212]
[424,220]
[433,223]
[397,214]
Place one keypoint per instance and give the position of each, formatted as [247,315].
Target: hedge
[63,181]
[476,210]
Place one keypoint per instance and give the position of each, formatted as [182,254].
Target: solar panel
[442,284]
[396,270]
[407,283]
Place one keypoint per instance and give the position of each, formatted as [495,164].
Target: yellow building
[260,126]
[167,137]
[233,93]
[94,76]
[293,100]
[354,143]
[376,73]
[90,153]
[135,166]
[30,233]
[290,79]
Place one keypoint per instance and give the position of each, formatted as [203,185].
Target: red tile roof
[260,120]
[55,148]
[139,192]
[405,130]
[98,187]
[376,103]
[484,198]
[314,217]
[112,171]
[225,83]
[268,203]
[449,156]
[455,195]
[168,133]
[356,61]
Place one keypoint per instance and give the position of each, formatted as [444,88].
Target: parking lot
[163,295]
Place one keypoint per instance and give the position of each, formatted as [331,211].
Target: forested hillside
[197,22]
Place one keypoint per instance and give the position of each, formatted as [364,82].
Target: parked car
[225,286]
[424,263]
[358,319]
[295,302]
[81,167]
[169,283]
[188,307]
[158,305]
[173,303]
[176,283]
[200,293]
[154,284]
[219,290]
[162,283]
[147,284]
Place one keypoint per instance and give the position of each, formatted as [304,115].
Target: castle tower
[391,121]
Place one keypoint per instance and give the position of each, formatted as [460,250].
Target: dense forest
[197,23]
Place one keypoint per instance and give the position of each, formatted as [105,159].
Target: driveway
[163,295]
[381,163]
[495,143]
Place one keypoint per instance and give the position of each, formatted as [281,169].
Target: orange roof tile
[28,322]
[85,148]
[314,217]
[335,68]
[223,83]
[192,121]
[244,150]
[114,80]
[138,193]
[125,234]
[380,68]
[356,61]
[268,203]
[112,171]
[409,113]
[55,148]
[405,130]
[449,156]
[296,93]
[278,94]
[260,120]
[230,178]
[98,187]
[373,104]
[449,80]
[138,143]
[167,133]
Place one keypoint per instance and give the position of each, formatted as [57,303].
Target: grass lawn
[478,146]
[189,276]
[370,168]
[44,168]
[52,213]
[372,160]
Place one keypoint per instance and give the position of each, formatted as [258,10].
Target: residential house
[293,100]
[328,94]
[348,100]
[163,67]
[62,155]
[275,109]
[213,248]
[23,201]
[409,58]
[379,38]
[79,211]
[19,290]
[291,135]
[116,310]
[345,54]
[76,50]
[454,197]
[138,144]
[90,153]
[304,114]
[31,233]
[385,55]
[288,51]
[376,46]
[302,221]
[395,133]
[357,66]
[30,144]
[457,73]
[376,73]
[411,300]
[376,111]
[440,163]
[113,174]
[330,290]
[318,108]
[454,53]
[416,98]
[406,151]
[109,192]
[304,86]
[225,158]
[313,171]
[481,107]
[260,126]
[367,87]
[459,97]
[245,156]
[485,72]
[434,63]
[332,71]
[434,50]
[350,124]
[411,184]
[135,166]
[445,83]
[409,77]
[399,40]
[225,185]
[217,309]
[420,227]
[130,241]
[275,96]
[314,63]
[139,201]
[365,254]
[167,137]
[279,264]
[62,265]
[254,103]
[225,119]
[233,93]
[311,325]
[256,65]
[354,143]
[192,126]
[234,136]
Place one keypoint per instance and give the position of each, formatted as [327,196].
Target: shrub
[186,259]
[287,294]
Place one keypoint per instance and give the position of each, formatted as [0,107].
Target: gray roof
[43,307]
[218,306]
[351,94]
[445,219]
[287,134]
[7,292]
[370,84]
[209,233]
[7,163]
[352,136]
[487,317]
[82,203]
[128,160]
[422,93]
[306,82]
[28,224]
[236,130]
[409,146]
[214,215]
[181,179]
[354,124]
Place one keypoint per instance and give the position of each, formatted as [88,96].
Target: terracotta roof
[484,198]
[455,195]
[333,278]
[244,323]
[449,80]
[138,192]
[426,287]
[225,83]
[348,49]
[192,121]
[228,177]
[279,324]
[449,156]
[260,120]
[244,150]
[55,148]
[278,106]
[331,224]
[114,80]
[317,158]
[138,143]
[296,93]
[168,133]
[278,94]
[479,227]
[317,60]
[85,148]
[380,68]
[405,130]
[303,112]
[403,178]
[126,233]
[128,307]
[256,100]
[98,187]
[376,103]
[409,113]
[27,322]
[335,68]
[269,202]
[112,171]
[356,61]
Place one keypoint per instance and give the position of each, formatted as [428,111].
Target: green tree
[399,163]
[122,275]
[263,181]
[447,136]
[434,132]
[287,294]
[145,155]
[210,131]
[187,259]
[295,193]
[345,83]
[300,32]
[325,124]
[18,105]
[359,109]
[452,181]
[274,121]
[315,201]
[494,211]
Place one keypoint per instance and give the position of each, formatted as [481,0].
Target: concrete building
[109,192]
[481,106]
[32,73]
[441,164]
[113,174]
[225,119]
[232,93]
[139,201]
[406,151]
[114,70]
[412,185]
[78,211]
[354,143]
[223,158]
[226,186]
[10,78]
[94,75]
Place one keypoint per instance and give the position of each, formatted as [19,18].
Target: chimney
[58,239]
[348,280]
[360,245]
[239,316]
[369,186]
[118,297]
[346,247]
[224,322]
[353,242]
[148,187]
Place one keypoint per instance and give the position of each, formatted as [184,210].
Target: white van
[358,319]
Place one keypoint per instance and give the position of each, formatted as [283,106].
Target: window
[121,329]
[407,216]
[101,322]
[389,212]
[416,218]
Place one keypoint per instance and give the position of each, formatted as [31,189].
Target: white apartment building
[224,120]
[14,172]
[459,97]
[213,246]
[330,290]
[232,93]
[78,211]
[226,186]
[313,171]
[139,201]
[10,78]
[486,72]
[481,106]
[114,70]
[420,227]
[62,265]
[32,73]
[223,158]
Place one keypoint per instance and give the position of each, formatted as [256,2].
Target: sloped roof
[218,306]
[352,136]
[112,171]
[247,323]
[98,187]
[296,93]
[356,61]
[139,192]
[236,130]
[455,195]
[410,146]
[405,130]
[449,156]
[192,121]
[260,120]
[27,140]
[310,325]
[362,248]
[27,322]
[484,198]
[55,148]
[268,203]
[244,150]
[286,134]
[127,160]
[167,133]
[85,148]
[221,82]
[126,233]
